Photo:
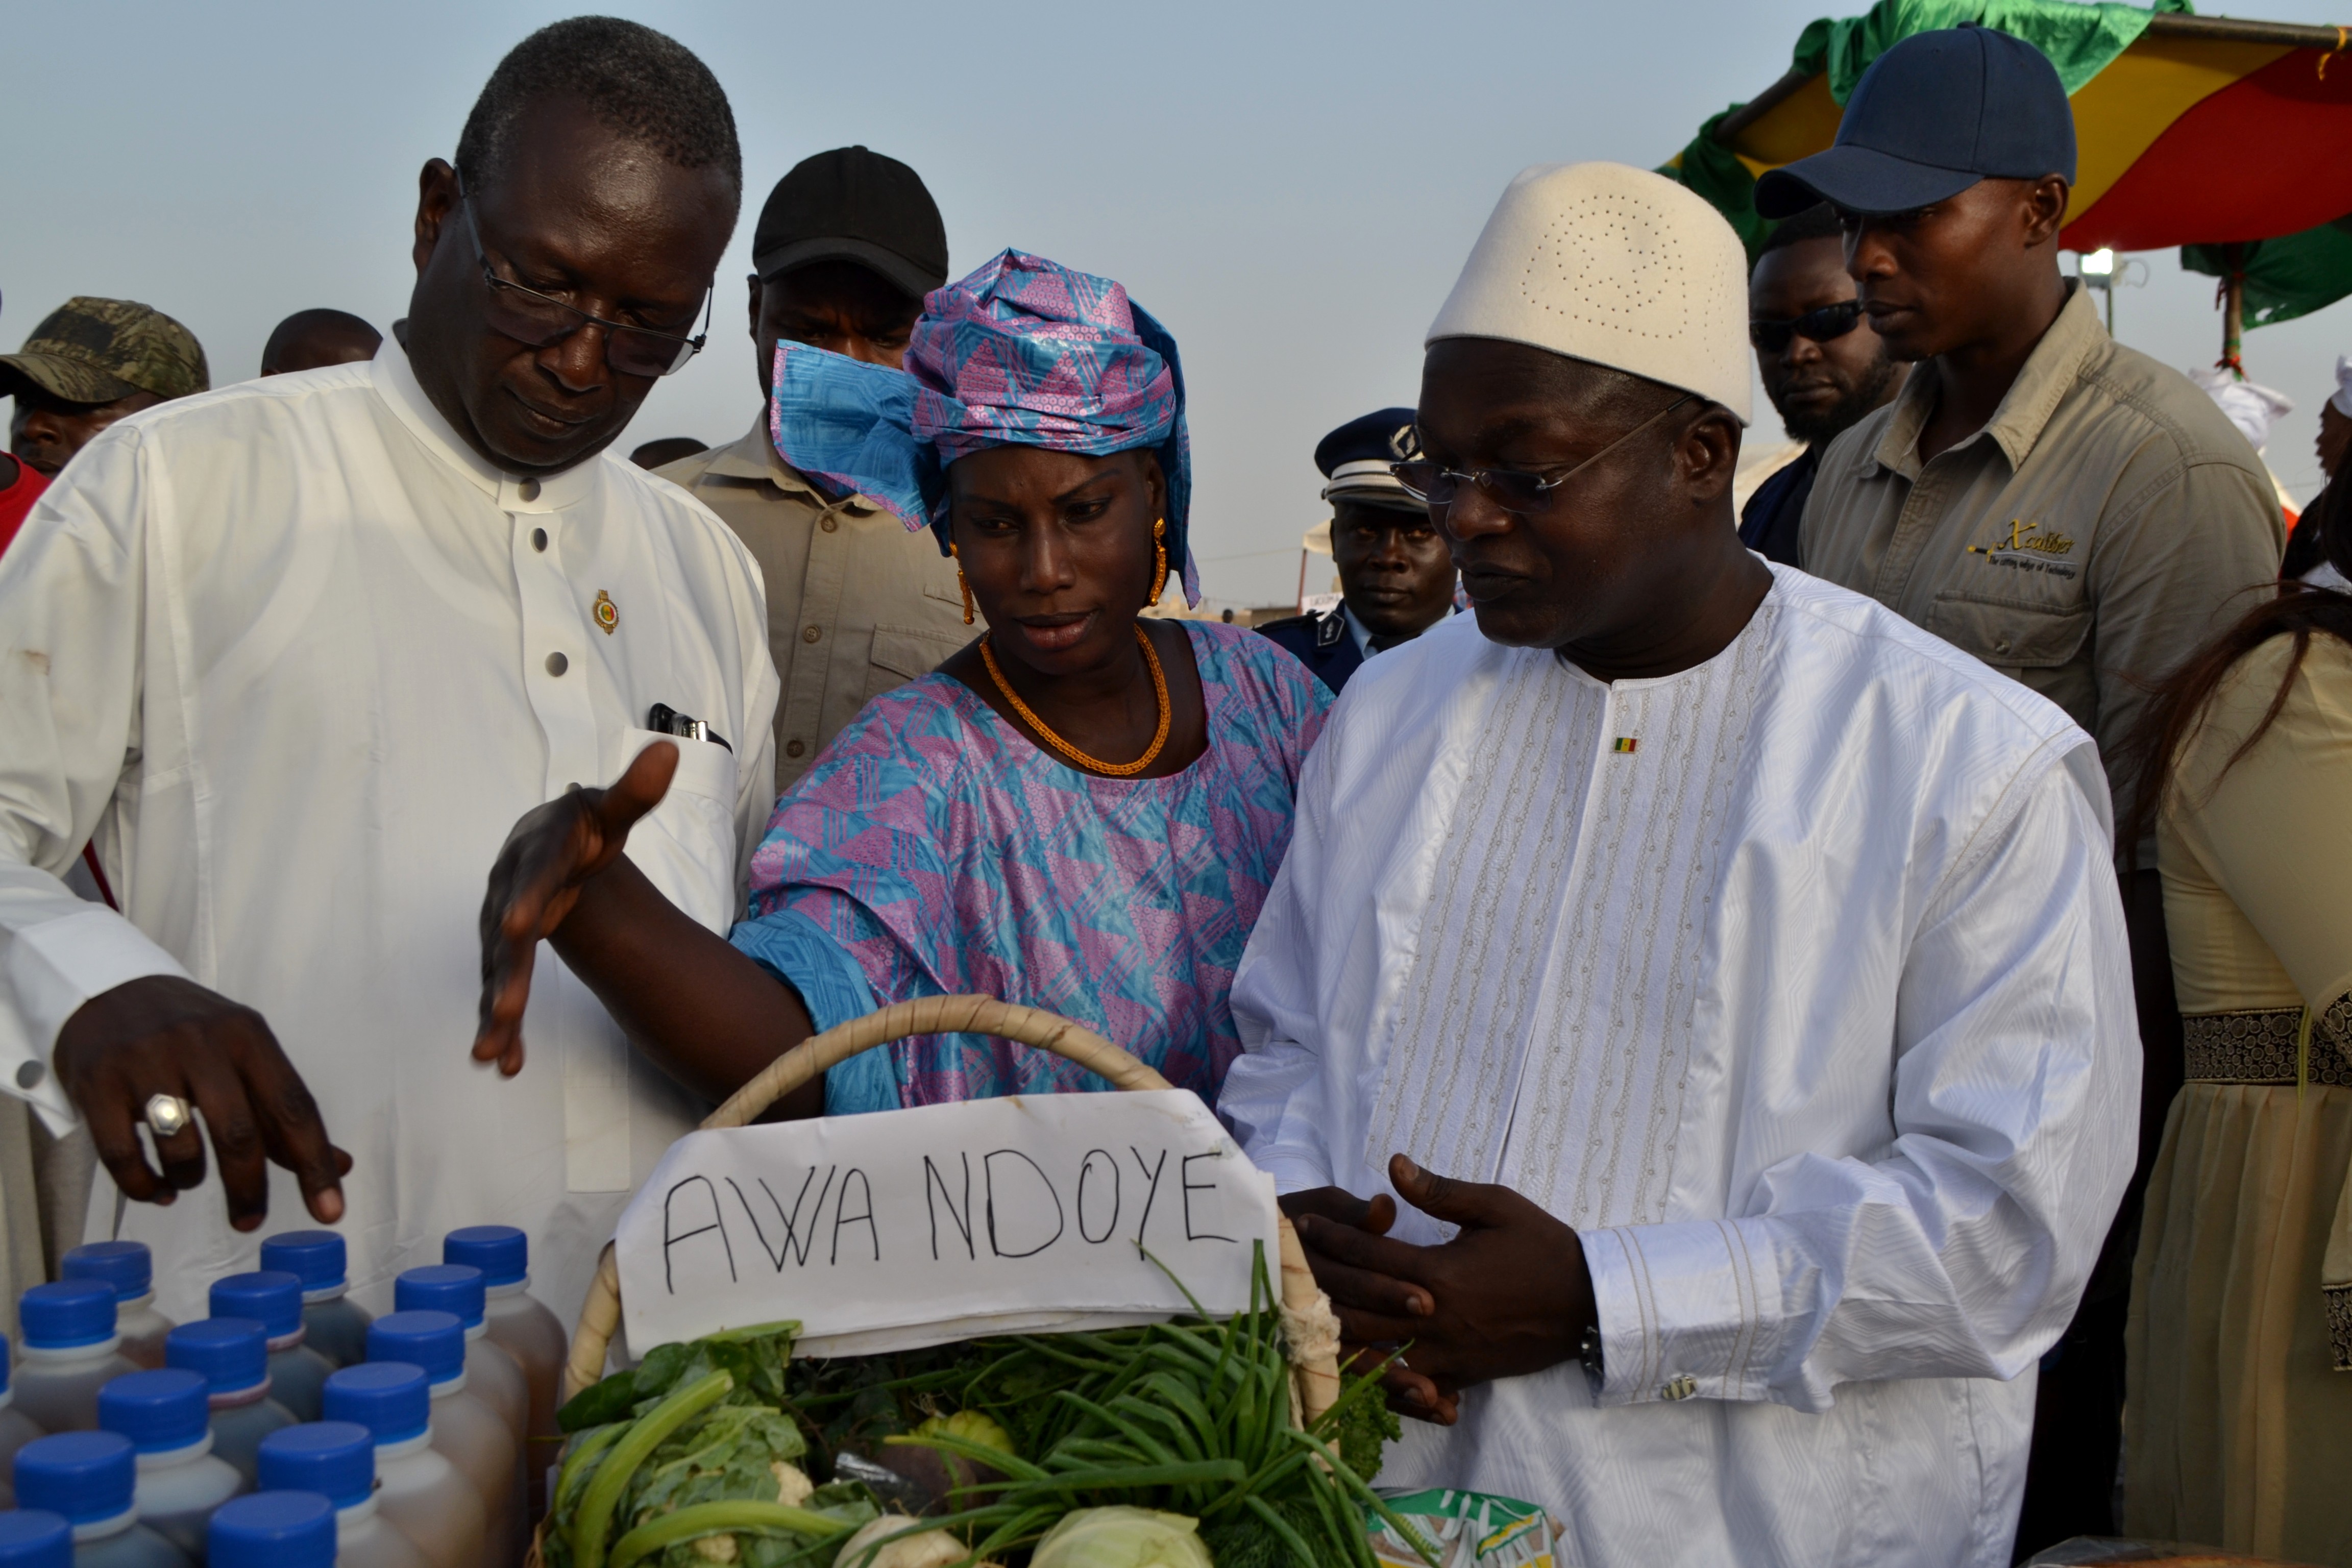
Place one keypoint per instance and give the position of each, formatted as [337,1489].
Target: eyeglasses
[1510,489]
[531,317]
[1829,321]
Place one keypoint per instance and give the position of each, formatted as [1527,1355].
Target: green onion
[711,1518]
[643,1437]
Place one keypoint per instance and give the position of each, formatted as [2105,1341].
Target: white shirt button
[557,664]
[528,489]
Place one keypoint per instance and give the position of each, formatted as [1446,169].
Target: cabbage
[1122,1538]
[923,1549]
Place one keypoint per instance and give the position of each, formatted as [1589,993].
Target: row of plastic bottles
[449,1407]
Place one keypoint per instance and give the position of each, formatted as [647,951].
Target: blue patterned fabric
[1022,352]
[943,852]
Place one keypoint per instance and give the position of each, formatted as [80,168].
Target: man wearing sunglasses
[1821,364]
[2073,513]
[296,652]
[1691,1024]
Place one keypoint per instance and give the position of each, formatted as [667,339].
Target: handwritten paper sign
[908,1228]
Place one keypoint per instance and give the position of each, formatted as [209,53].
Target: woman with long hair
[2238,1420]
[1082,810]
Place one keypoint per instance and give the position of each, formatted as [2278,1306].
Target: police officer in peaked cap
[1396,576]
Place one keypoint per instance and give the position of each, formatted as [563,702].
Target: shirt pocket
[686,846]
[901,654]
[2011,637]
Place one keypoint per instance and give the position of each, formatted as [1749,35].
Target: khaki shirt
[856,604]
[2107,521]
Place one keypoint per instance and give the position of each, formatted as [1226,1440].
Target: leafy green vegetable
[1190,1418]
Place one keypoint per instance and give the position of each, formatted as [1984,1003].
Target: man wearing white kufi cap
[1694,1016]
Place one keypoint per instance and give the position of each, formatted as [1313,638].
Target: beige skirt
[2238,1424]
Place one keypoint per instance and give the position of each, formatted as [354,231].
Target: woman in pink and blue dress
[1082,810]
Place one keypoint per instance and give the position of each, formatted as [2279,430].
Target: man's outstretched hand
[1509,1295]
[549,857]
[166,1035]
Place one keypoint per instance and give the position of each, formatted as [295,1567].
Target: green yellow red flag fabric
[2187,136]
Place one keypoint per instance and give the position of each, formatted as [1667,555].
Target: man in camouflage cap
[90,362]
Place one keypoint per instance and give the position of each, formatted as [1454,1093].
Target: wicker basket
[1310,1330]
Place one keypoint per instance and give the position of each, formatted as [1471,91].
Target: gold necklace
[1095,764]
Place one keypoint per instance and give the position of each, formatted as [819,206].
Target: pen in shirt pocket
[666,720]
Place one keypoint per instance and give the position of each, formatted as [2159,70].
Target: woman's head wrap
[1022,352]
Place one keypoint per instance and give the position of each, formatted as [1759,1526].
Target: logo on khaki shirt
[2026,549]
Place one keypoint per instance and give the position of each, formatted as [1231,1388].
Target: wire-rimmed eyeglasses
[1513,490]
[531,317]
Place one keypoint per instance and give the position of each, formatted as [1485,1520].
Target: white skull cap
[1616,266]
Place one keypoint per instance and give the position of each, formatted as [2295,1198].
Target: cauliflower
[792,1487]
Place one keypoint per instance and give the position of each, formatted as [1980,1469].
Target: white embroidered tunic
[1797,982]
[298,658]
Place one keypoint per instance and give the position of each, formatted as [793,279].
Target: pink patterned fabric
[944,852]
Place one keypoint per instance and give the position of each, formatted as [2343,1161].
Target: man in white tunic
[1693,1017]
[299,651]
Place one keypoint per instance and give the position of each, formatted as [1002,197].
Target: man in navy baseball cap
[2070,511]
[1932,116]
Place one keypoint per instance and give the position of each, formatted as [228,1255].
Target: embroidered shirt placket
[556,647]
[1603,742]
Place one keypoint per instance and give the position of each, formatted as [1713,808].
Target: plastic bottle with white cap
[273,1298]
[181,1479]
[466,1429]
[35,1538]
[337,1460]
[17,1429]
[68,1354]
[490,1372]
[273,1529]
[337,1325]
[90,1478]
[525,1329]
[419,1493]
[232,1355]
[129,1267]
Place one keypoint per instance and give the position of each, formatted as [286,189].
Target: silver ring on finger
[168,1114]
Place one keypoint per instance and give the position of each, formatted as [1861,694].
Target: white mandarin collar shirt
[297,658]
[1797,982]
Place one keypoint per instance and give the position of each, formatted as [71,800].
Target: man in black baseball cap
[2071,513]
[847,245]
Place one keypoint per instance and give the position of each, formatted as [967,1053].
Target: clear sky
[1290,185]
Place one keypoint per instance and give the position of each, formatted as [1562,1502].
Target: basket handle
[1307,1312]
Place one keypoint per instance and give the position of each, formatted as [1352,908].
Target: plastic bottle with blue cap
[492,1373]
[232,1355]
[419,1492]
[90,1478]
[129,1267]
[35,1538]
[273,1529]
[466,1429]
[336,1325]
[17,1429]
[69,1353]
[527,1330]
[180,1480]
[337,1460]
[273,1298]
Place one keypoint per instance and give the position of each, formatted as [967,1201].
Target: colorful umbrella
[2230,138]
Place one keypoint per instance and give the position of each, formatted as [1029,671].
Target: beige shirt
[2105,522]
[856,604]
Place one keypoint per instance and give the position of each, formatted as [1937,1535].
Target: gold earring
[962,582]
[1160,558]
